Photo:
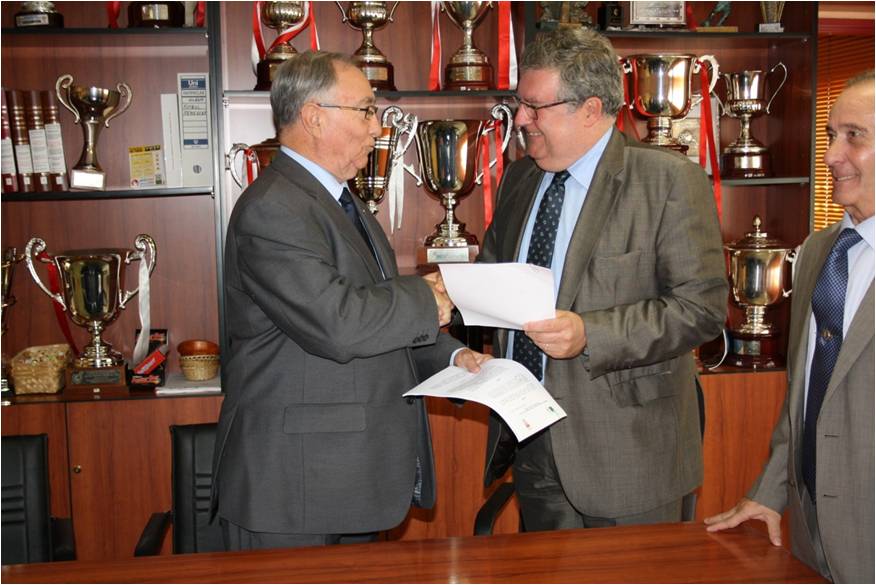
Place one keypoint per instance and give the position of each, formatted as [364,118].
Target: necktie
[353,215]
[540,253]
[828,305]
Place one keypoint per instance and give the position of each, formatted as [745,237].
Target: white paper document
[505,386]
[503,295]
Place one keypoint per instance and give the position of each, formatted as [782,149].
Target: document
[503,295]
[505,386]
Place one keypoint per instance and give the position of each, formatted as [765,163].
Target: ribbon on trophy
[55,288]
[626,111]
[495,127]
[141,346]
[435,81]
[251,162]
[200,10]
[257,47]
[507,76]
[112,14]
[707,136]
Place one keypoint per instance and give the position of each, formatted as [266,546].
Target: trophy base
[267,68]
[95,380]
[87,179]
[468,77]
[753,351]
[745,165]
[446,255]
[770,27]
[379,75]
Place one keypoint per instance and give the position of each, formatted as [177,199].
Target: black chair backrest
[26,517]
[192,483]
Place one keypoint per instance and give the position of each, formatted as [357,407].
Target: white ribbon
[396,193]
[253,47]
[142,344]
[512,57]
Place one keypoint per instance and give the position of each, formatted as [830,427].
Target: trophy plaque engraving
[278,16]
[449,151]
[757,277]
[370,183]
[369,17]
[661,91]
[93,107]
[93,293]
[746,157]
[156,14]
[468,68]
[38,14]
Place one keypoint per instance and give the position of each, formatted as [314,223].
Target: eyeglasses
[532,109]
[369,111]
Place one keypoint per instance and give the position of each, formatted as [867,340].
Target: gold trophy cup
[11,257]
[369,17]
[93,293]
[468,68]
[261,154]
[93,107]
[278,16]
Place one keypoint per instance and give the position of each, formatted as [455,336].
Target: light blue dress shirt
[581,174]
[325,178]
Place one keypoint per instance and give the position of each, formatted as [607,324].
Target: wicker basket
[40,369]
[199,367]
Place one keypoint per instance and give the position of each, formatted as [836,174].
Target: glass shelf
[109,194]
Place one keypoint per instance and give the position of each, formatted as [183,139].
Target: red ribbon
[257,30]
[707,135]
[504,61]
[435,67]
[55,287]
[200,11]
[626,109]
[112,13]
[311,20]
[251,162]
[496,127]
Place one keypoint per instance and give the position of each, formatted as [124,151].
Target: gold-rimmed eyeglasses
[369,111]
[532,109]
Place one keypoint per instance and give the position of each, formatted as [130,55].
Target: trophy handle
[126,92]
[392,116]
[710,59]
[407,125]
[499,112]
[723,108]
[236,149]
[784,79]
[344,17]
[790,258]
[64,82]
[142,243]
[34,247]
[392,11]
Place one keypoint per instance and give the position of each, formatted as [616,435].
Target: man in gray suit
[821,455]
[631,234]
[315,444]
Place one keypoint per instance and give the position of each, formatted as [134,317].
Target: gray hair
[301,79]
[587,64]
[867,76]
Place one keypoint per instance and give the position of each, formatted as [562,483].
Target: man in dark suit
[315,444]
[821,455]
[631,234]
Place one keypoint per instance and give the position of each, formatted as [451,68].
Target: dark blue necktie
[828,306]
[541,253]
[353,215]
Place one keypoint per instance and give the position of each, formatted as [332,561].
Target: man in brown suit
[631,234]
[821,455]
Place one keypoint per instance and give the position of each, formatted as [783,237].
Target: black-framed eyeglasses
[532,109]
[369,111]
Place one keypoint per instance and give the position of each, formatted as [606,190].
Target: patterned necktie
[540,253]
[353,215]
[828,304]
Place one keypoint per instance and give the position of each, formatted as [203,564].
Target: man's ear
[593,108]
[312,119]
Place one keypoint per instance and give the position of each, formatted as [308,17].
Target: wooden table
[678,553]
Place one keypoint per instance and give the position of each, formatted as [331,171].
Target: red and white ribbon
[507,48]
[707,136]
[494,127]
[257,49]
[112,14]
[435,81]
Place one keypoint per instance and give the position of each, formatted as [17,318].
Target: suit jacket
[844,451]
[645,271]
[314,435]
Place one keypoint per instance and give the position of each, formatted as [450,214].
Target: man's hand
[470,359]
[562,337]
[747,510]
[445,307]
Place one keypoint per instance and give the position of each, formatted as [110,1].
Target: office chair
[191,483]
[490,510]
[29,533]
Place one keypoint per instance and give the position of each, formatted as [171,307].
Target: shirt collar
[865,228]
[583,168]
[325,178]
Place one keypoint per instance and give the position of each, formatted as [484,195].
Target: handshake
[445,305]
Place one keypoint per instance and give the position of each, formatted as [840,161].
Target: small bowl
[197,347]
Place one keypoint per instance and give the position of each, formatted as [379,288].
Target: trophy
[468,68]
[369,17]
[278,16]
[370,183]
[746,157]
[93,292]
[38,14]
[156,14]
[757,279]
[260,155]
[10,258]
[772,17]
[661,91]
[448,167]
[93,107]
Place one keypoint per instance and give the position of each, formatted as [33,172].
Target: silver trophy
[397,132]
[661,91]
[93,107]
[746,157]
[449,152]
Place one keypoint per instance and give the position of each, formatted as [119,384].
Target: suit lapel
[601,195]
[858,336]
[520,207]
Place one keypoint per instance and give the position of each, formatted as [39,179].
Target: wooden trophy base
[754,352]
[468,77]
[111,381]
[431,255]
[379,75]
